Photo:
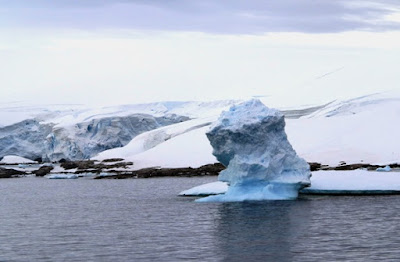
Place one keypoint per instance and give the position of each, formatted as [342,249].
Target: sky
[104,52]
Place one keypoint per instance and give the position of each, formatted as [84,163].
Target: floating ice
[62,176]
[360,182]
[250,141]
[213,188]
[353,182]
[384,169]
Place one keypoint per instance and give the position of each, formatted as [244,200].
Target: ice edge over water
[257,191]
[250,141]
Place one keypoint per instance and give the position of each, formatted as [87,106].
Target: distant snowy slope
[366,130]
[68,114]
[192,109]
[12,113]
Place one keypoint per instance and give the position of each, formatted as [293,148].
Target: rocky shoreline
[118,169]
[206,170]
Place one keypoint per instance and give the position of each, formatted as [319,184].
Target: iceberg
[251,142]
[384,169]
[62,176]
[213,188]
[353,182]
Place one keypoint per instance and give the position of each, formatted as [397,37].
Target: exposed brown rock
[42,171]
[112,160]
[85,164]
[8,173]
[90,166]
[314,166]
[206,170]
[343,166]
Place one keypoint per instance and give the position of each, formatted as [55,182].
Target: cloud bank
[210,16]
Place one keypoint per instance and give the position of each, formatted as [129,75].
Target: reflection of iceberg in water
[250,141]
[253,231]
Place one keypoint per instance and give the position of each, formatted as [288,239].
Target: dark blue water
[145,220]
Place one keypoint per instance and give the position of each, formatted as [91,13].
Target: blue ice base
[257,191]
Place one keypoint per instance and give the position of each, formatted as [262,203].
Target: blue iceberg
[384,169]
[250,140]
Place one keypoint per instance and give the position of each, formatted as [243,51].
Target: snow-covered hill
[361,130]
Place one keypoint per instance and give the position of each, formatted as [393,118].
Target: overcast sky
[116,52]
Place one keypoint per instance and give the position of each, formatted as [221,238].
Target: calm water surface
[145,220]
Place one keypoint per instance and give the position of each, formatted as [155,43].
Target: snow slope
[16,160]
[179,145]
[148,140]
[364,129]
[189,149]
[354,131]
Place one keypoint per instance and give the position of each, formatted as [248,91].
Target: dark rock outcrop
[110,160]
[206,170]
[91,166]
[8,173]
[343,166]
[42,171]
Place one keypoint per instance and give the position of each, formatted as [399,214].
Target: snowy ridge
[12,113]
[67,115]
[362,130]
[356,105]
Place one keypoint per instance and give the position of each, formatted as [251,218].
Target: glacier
[47,141]
[251,142]
[76,132]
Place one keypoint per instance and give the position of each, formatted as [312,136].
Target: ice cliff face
[251,142]
[32,139]
[24,139]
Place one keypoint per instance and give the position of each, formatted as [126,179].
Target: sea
[145,220]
